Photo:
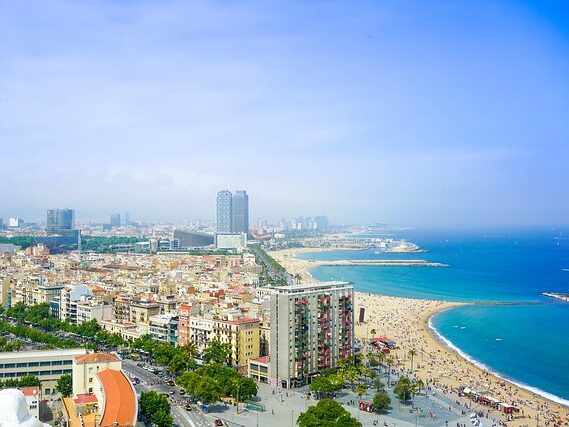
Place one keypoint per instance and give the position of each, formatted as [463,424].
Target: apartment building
[141,311]
[184,311]
[311,329]
[164,328]
[243,337]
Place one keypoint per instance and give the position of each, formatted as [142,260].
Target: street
[150,381]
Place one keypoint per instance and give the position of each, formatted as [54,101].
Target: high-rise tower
[240,212]
[224,212]
[60,220]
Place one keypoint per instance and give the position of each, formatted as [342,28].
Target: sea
[526,340]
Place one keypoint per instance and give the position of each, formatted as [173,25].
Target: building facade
[164,328]
[224,212]
[240,217]
[47,365]
[312,327]
[60,220]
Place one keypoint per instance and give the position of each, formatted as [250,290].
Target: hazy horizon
[405,113]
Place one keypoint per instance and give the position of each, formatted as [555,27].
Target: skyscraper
[60,220]
[312,327]
[224,212]
[115,220]
[240,212]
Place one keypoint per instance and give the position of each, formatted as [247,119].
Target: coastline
[408,322]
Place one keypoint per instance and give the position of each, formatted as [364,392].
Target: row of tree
[40,316]
[156,408]
[27,381]
[211,382]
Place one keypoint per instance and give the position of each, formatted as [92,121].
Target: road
[150,381]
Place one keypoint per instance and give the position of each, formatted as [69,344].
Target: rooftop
[85,398]
[96,357]
[120,400]
[312,286]
[10,355]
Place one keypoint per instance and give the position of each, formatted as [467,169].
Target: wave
[549,396]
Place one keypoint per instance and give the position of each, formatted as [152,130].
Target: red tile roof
[120,400]
[30,391]
[96,357]
[85,398]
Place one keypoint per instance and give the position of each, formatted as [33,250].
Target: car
[182,392]
[188,408]
[172,392]
[218,422]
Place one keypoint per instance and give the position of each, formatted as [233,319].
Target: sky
[402,112]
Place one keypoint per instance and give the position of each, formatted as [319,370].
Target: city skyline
[403,113]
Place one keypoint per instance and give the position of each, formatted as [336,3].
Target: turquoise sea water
[528,344]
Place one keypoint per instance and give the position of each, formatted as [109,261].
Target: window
[45,363]
[21,365]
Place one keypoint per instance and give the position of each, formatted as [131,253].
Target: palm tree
[361,390]
[412,353]
[373,332]
[390,361]
[191,349]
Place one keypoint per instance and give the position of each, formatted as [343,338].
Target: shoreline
[409,322]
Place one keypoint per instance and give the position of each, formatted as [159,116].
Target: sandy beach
[405,320]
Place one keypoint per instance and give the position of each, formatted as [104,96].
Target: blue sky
[406,112]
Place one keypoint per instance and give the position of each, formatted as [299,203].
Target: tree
[65,385]
[162,418]
[207,390]
[403,389]
[190,381]
[156,408]
[351,374]
[336,381]
[412,353]
[378,384]
[381,401]
[373,332]
[321,385]
[327,413]
[29,381]
[389,360]
[216,352]
[361,390]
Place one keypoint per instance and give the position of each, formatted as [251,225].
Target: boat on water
[557,295]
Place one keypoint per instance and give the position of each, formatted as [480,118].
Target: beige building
[243,337]
[47,365]
[140,311]
[85,369]
[102,393]
[5,291]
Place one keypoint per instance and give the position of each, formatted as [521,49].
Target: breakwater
[379,263]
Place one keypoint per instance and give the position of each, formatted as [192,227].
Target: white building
[70,296]
[88,310]
[237,241]
[47,365]
[14,410]
[164,327]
